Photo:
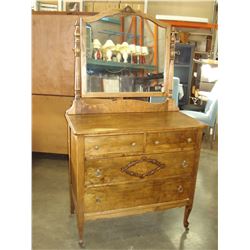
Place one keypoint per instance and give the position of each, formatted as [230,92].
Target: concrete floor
[54,228]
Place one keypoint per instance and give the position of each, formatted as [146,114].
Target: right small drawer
[170,141]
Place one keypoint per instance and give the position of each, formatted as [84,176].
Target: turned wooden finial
[77,54]
[128,10]
[171,62]
[172,44]
[76,49]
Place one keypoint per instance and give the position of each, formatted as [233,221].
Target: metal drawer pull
[184,164]
[177,52]
[96,147]
[189,140]
[98,200]
[98,173]
[133,144]
[180,189]
[157,142]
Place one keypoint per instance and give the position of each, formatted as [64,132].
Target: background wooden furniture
[128,156]
[52,79]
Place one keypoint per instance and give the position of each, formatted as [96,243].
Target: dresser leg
[80,225]
[186,215]
[72,206]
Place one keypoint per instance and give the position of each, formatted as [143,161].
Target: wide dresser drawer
[134,168]
[113,144]
[170,141]
[110,197]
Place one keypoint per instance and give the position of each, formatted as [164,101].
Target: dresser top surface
[130,122]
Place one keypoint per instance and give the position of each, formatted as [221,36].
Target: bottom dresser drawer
[112,197]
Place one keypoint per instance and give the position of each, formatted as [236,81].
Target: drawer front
[113,144]
[133,168]
[135,194]
[170,141]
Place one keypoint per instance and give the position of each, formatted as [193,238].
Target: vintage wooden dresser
[128,156]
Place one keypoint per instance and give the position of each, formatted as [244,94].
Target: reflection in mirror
[125,54]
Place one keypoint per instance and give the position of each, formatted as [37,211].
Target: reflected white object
[125,55]
[132,51]
[111,85]
[180,91]
[209,73]
[109,54]
[132,48]
[118,57]
[96,44]
[108,45]
[138,52]
[117,47]
[117,50]
[125,50]
[107,49]
[124,46]
[144,50]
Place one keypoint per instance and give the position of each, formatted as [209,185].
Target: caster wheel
[81,244]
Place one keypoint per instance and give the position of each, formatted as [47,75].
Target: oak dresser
[128,156]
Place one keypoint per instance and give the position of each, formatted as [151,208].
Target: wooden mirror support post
[128,156]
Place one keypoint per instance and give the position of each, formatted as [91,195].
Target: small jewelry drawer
[170,141]
[113,144]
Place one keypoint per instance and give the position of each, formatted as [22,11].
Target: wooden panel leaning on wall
[49,127]
[52,60]
[52,79]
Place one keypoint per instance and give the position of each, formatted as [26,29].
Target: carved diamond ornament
[128,168]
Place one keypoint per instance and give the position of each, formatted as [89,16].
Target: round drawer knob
[184,164]
[157,142]
[98,173]
[133,144]
[98,200]
[189,140]
[180,189]
[96,147]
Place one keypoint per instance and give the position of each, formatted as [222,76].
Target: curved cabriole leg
[186,215]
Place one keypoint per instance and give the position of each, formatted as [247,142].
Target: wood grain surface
[131,122]
[135,210]
[52,55]
[108,170]
[130,156]
[49,126]
[103,145]
[170,141]
[135,194]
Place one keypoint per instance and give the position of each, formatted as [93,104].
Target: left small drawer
[113,144]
